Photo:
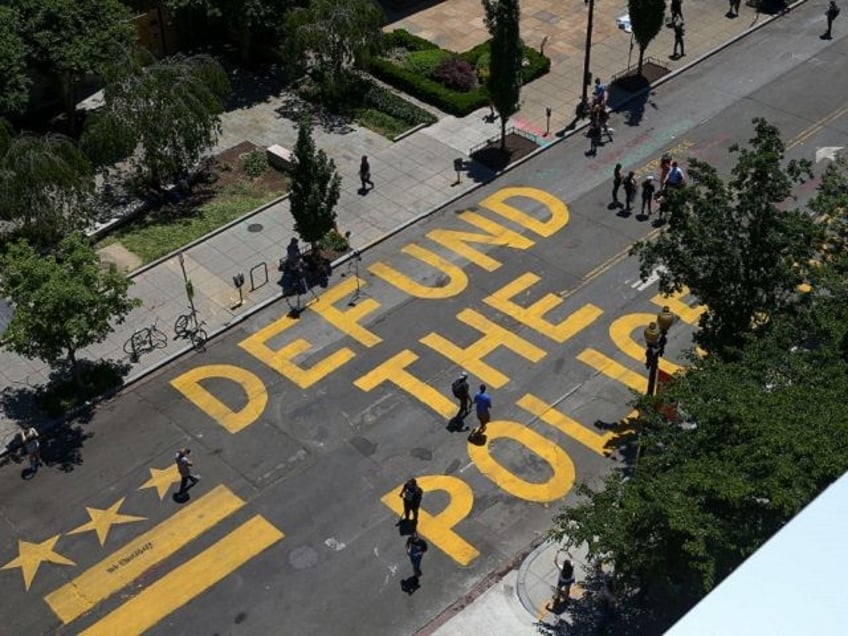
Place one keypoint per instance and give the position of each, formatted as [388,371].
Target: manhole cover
[255,227]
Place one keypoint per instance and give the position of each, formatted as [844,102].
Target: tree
[336,34]
[731,245]
[646,18]
[249,18]
[72,39]
[46,184]
[14,77]
[506,57]
[63,301]
[315,188]
[164,116]
[765,435]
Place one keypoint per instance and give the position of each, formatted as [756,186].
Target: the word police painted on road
[522,300]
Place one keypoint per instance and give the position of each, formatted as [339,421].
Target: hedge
[429,91]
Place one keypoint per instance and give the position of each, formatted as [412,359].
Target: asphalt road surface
[304,429]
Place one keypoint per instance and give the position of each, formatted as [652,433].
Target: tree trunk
[75,371]
[68,92]
[503,132]
[641,57]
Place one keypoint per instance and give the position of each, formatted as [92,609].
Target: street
[305,428]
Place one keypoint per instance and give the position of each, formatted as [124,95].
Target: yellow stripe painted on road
[612,369]
[621,332]
[139,555]
[568,425]
[817,126]
[189,580]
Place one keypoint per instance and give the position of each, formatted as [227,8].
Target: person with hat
[462,392]
[411,493]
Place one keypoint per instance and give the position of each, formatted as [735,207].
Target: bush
[403,39]
[426,62]
[333,241]
[482,67]
[382,99]
[457,74]
[255,164]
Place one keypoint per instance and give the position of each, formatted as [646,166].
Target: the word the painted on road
[533,215]
[147,553]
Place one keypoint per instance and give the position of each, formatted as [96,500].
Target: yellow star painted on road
[102,520]
[161,480]
[30,556]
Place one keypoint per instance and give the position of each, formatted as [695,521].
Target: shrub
[334,241]
[401,38]
[482,67]
[382,99]
[255,163]
[456,74]
[426,62]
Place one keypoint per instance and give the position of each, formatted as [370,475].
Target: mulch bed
[228,168]
[517,147]
[633,83]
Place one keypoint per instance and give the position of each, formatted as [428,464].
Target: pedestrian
[600,92]
[415,548]
[831,14]
[32,447]
[293,251]
[629,190]
[676,8]
[562,592]
[365,173]
[184,465]
[616,183]
[675,177]
[411,493]
[462,392]
[679,32]
[648,189]
[734,9]
[665,166]
[594,134]
[484,407]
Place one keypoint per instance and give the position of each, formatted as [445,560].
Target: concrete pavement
[210,263]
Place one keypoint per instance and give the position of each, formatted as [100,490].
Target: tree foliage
[163,116]
[315,188]
[46,184]
[731,245]
[71,39]
[14,78]
[336,35]
[646,18]
[507,55]
[63,302]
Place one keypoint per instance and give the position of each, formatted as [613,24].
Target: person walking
[415,548]
[679,32]
[32,447]
[629,190]
[483,403]
[594,137]
[365,173]
[462,392]
[562,592]
[675,177]
[676,8]
[734,9]
[831,14]
[616,183]
[600,92]
[411,493]
[648,190]
[184,465]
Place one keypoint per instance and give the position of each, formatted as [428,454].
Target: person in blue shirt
[483,404]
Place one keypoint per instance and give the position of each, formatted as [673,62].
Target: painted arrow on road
[827,152]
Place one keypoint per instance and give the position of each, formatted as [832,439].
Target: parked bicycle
[145,340]
[188,326]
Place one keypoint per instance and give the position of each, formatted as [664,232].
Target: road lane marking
[126,564]
[189,580]
[565,424]
[805,134]
[613,370]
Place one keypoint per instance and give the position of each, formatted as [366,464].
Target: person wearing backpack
[462,392]
[411,493]
[415,548]
[831,14]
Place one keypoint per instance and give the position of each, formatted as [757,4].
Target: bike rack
[253,285]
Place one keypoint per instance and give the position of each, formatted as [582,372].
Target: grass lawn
[162,231]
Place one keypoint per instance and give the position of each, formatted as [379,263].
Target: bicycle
[145,340]
[185,324]
[198,336]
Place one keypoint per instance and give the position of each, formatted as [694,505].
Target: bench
[281,158]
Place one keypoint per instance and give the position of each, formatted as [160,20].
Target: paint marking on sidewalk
[189,580]
[122,567]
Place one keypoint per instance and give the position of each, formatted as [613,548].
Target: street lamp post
[583,107]
[655,340]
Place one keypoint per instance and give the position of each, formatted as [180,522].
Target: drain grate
[255,227]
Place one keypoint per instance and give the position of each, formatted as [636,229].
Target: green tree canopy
[731,245]
[507,54]
[336,35]
[646,18]
[70,39]
[14,77]
[63,302]
[46,184]
[315,188]
[163,116]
